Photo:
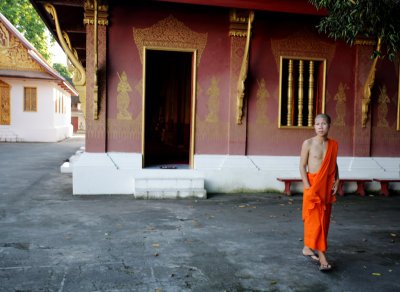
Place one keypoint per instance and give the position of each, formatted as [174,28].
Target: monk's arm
[336,182]
[305,149]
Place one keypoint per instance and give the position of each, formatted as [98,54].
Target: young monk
[320,175]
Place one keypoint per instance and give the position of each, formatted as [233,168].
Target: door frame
[193,98]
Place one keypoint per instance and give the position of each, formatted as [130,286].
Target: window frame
[29,109]
[322,86]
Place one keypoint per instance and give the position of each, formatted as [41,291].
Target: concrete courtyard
[51,240]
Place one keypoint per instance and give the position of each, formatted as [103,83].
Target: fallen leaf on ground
[282,204]
[242,206]
[156,245]
[272,282]
[120,224]
[393,234]
[151,228]
[272,216]
[156,254]
[364,239]
[390,271]
[106,234]
[68,237]
[300,239]
[191,206]
[197,224]
[371,195]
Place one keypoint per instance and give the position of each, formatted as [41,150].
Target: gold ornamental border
[193,97]
[169,33]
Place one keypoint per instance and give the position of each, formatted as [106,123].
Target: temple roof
[18,58]
[71,14]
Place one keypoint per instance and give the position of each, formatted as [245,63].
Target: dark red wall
[274,34]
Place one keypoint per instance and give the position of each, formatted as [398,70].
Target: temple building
[35,104]
[186,97]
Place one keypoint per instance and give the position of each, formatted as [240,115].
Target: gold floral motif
[123,99]
[383,100]
[262,94]
[169,33]
[213,101]
[13,54]
[340,98]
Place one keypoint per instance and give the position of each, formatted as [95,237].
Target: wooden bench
[288,181]
[385,185]
[360,184]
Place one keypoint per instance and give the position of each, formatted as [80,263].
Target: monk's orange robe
[318,199]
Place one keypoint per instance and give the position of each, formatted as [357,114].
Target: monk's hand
[335,187]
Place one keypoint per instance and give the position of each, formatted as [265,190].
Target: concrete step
[169,184]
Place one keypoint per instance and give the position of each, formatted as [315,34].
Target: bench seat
[360,184]
[385,185]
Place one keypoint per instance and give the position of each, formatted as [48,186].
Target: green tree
[60,68]
[351,19]
[25,18]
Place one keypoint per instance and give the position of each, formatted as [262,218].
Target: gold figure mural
[262,95]
[169,33]
[213,101]
[340,98]
[123,99]
[383,100]
[13,54]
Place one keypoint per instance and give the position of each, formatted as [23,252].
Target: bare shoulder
[307,143]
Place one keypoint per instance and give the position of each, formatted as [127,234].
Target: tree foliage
[60,68]
[25,18]
[351,19]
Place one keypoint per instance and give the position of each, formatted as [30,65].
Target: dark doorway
[167,107]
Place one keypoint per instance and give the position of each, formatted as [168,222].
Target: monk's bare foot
[325,266]
[308,252]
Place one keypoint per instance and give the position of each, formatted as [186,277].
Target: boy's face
[321,126]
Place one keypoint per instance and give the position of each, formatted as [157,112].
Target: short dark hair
[324,116]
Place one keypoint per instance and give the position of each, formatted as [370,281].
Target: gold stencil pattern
[13,55]
[213,101]
[302,44]
[125,129]
[210,132]
[123,99]
[340,98]
[139,87]
[383,100]
[262,95]
[169,33]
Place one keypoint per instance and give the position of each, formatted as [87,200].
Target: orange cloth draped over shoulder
[318,199]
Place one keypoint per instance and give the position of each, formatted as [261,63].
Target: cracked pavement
[54,241]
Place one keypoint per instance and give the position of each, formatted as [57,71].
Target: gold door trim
[193,97]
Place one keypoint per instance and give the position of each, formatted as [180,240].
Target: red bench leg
[287,188]
[384,188]
[340,190]
[360,188]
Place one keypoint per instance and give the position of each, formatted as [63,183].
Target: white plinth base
[121,173]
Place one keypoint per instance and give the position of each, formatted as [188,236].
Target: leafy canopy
[25,18]
[60,68]
[351,19]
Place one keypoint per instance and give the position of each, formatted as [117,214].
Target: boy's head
[323,116]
